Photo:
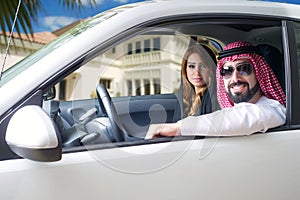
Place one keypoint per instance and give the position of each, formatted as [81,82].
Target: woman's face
[197,71]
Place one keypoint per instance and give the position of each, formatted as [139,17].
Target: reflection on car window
[146,64]
[29,61]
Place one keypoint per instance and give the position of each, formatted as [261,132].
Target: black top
[209,104]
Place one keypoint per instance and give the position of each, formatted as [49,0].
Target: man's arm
[242,119]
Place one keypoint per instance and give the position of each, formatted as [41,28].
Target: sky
[57,16]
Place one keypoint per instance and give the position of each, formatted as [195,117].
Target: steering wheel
[117,131]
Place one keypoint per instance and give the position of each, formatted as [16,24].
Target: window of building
[129,87]
[129,49]
[138,87]
[147,86]
[156,44]
[156,83]
[106,83]
[138,47]
[147,47]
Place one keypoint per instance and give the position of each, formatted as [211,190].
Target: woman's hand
[167,130]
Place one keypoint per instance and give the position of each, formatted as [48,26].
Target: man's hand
[167,130]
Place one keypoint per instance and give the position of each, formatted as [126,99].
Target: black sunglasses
[243,69]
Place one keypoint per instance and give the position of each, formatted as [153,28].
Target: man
[248,92]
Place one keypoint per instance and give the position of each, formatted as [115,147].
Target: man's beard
[238,97]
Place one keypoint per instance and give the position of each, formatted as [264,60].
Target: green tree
[28,14]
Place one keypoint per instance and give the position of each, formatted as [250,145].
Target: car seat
[274,58]
[52,108]
[72,135]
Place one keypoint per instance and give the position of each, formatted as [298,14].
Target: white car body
[260,166]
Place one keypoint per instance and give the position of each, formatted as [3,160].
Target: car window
[146,64]
[297,30]
[141,72]
[295,72]
[30,60]
[149,63]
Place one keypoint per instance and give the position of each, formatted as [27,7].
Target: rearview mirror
[32,134]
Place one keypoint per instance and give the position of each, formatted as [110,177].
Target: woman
[198,67]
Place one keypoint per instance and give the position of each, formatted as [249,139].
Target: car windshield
[24,64]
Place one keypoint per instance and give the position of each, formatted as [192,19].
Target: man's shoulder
[265,100]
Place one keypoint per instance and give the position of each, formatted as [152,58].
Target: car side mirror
[49,94]
[32,134]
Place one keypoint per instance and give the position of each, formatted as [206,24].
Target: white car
[59,141]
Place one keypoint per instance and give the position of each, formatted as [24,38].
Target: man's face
[239,80]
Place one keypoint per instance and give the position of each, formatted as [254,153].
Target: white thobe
[242,119]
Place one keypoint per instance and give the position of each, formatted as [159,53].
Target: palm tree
[28,14]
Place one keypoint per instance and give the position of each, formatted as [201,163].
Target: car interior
[111,119]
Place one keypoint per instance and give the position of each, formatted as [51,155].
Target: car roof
[169,7]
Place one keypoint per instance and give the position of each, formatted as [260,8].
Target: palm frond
[77,4]
[28,14]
